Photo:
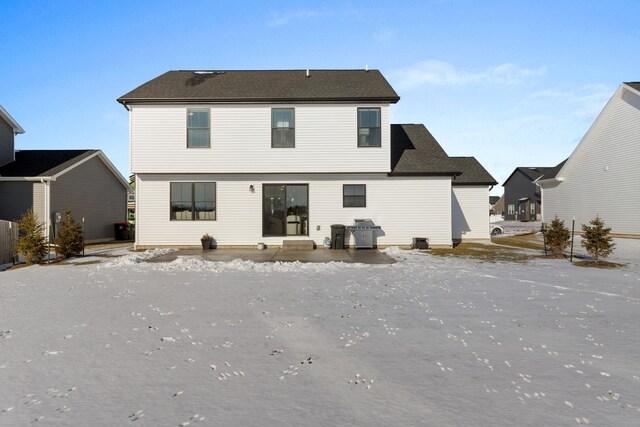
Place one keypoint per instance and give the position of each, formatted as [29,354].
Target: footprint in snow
[136,415]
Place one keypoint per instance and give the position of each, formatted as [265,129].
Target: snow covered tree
[31,241]
[596,237]
[70,239]
[558,236]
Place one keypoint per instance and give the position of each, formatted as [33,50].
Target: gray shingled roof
[472,172]
[30,163]
[537,172]
[415,152]
[264,86]
[635,85]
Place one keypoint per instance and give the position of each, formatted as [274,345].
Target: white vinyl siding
[325,141]
[470,212]
[602,176]
[405,207]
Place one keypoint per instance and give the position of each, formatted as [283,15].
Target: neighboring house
[267,156]
[522,200]
[602,175]
[52,181]
[492,204]
[8,129]
[498,207]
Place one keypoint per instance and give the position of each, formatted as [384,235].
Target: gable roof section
[415,152]
[268,86]
[635,86]
[7,118]
[34,164]
[472,172]
[534,173]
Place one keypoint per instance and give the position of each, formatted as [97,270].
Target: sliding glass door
[285,210]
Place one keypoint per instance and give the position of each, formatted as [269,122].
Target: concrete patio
[363,256]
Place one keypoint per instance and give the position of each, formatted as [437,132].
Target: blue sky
[512,83]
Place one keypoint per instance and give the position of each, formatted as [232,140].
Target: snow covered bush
[558,236]
[597,241]
[70,239]
[31,242]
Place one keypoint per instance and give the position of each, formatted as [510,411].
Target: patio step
[299,245]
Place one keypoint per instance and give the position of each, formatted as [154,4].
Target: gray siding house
[52,181]
[8,129]
[522,199]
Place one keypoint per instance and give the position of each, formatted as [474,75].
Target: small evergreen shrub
[596,239]
[31,241]
[558,236]
[70,239]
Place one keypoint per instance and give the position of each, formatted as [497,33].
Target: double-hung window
[369,127]
[283,131]
[198,128]
[193,201]
[511,209]
[354,196]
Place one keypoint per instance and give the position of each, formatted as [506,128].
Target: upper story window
[198,128]
[369,127]
[283,128]
[192,201]
[354,196]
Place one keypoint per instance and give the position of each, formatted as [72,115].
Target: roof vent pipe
[307,72]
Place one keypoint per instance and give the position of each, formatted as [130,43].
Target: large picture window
[193,201]
[354,196]
[369,127]
[283,128]
[198,128]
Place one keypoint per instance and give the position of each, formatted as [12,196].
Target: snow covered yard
[441,341]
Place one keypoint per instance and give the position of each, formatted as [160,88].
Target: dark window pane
[363,118]
[198,138]
[198,119]
[374,117]
[354,196]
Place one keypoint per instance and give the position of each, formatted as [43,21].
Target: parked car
[496,230]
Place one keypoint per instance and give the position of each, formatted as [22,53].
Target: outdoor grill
[362,230]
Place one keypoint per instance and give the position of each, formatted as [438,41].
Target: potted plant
[206,241]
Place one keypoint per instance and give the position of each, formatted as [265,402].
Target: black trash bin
[121,230]
[337,236]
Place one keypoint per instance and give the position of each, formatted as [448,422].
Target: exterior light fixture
[252,189]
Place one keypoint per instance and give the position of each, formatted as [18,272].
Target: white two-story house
[267,156]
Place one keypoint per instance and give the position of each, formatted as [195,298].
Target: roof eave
[17,129]
[475,183]
[424,173]
[549,180]
[123,100]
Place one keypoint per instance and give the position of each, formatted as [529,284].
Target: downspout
[47,208]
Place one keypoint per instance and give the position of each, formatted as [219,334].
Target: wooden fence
[8,238]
